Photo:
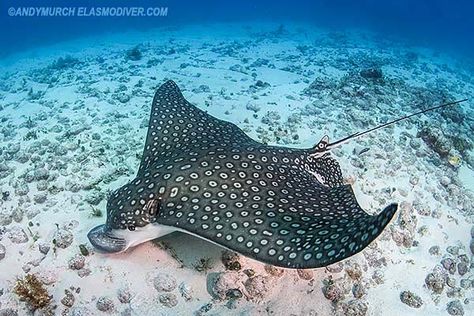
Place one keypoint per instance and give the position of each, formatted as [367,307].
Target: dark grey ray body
[204,176]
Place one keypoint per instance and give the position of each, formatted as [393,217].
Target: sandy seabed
[73,123]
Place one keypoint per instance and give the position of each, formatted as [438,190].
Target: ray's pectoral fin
[176,125]
[333,230]
[322,226]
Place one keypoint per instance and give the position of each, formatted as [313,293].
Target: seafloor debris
[305,274]
[186,291]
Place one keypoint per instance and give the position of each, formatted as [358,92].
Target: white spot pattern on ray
[277,205]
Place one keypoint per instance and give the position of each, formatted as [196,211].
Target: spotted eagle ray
[203,176]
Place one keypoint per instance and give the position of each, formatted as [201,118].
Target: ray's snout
[103,240]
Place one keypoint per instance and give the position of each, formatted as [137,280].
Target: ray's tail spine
[358,134]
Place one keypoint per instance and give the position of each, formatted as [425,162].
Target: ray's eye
[131,228]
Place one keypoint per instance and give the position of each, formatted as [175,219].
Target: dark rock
[435,282]
[186,291]
[224,282]
[466,283]
[455,308]
[40,198]
[436,140]
[134,54]
[333,292]
[454,293]
[231,261]
[274,271]
[2,252]
[411,299]
[63,63]
[84,272]
[372,73]
[41,174]
[124,295]
[462,268]
[318,85]
[449,265]
[435,251]
[334,268]
[202,89]
[44,248]
[358,290]
[454,250]
[77,262]
[68,299]
[105,304]
[233,294]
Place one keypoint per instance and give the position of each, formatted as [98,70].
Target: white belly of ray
[143,234]
[150,232]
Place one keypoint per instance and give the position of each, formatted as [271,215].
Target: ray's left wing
[176,125]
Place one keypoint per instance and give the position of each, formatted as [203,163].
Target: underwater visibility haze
[247,158]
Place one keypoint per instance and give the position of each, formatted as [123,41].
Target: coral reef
[31,290]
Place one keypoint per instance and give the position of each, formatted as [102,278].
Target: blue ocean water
[443,24]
